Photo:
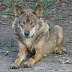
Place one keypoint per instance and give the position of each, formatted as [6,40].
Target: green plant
[11,1]
[7,2]
[46,12]
[7,50]
[2,43]
[6,12]
[60,16]
[46,4]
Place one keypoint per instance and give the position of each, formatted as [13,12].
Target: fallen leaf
[65,60]
[56,56]
[71,22]
[4,23]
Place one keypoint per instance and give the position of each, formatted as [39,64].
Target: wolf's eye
[23,22]
[32,24]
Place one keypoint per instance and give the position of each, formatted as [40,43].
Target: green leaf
[24,0]
[46,12]
[10,9]
[39,1]
[2,43]
[45,4]
[18,0]
[35,6]
[11,0]
[3,13]
[6,48]
[60,17]
[8,12]
[5,1]
[50,2]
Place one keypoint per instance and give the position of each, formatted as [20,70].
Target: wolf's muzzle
[26,33]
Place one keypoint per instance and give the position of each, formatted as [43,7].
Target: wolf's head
[28,22]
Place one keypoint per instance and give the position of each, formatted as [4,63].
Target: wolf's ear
[39,11]
[17,10]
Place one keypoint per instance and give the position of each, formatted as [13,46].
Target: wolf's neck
[28,42]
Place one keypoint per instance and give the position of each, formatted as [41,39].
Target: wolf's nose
[26,33]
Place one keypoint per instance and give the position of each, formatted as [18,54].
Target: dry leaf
[71,22]
[56,56]
[4,23]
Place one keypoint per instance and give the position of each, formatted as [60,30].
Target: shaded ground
[51,63]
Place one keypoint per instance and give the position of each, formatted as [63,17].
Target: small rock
[4,16]
[68,61]
[4,23]
[65,60]
[56,56]
[6,53]
[71,22]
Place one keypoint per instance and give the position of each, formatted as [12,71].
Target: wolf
[35,36]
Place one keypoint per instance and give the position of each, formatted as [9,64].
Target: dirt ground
[51,63]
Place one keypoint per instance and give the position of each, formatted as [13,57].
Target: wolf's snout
[26,33]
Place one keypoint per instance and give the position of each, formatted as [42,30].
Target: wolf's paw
[60,51]
[57,51]
[26,65]
[14,66]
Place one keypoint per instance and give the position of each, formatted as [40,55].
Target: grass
[7,50]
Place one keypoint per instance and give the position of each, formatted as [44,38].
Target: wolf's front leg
[33,60]
[39,48]
[21,56]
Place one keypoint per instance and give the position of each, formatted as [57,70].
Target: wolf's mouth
[28,36]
